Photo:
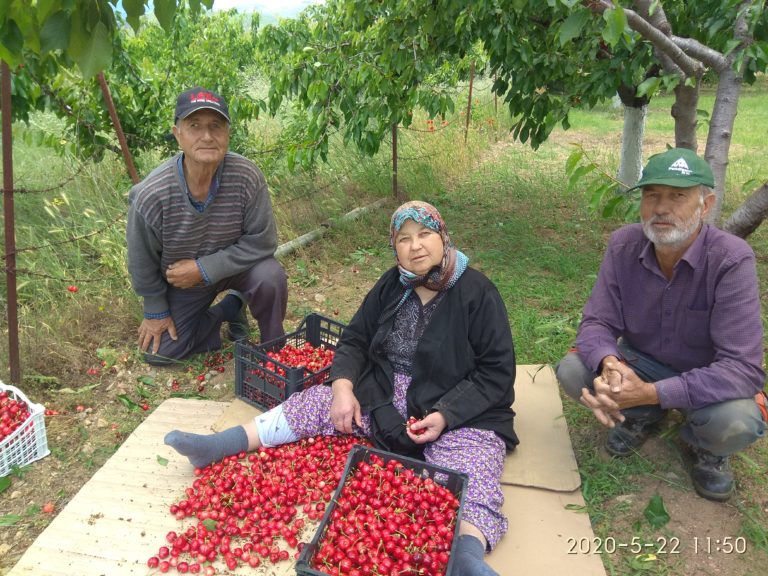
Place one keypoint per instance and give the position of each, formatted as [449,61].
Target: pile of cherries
[250,508]
[313,359]
[13,413]
[388,520]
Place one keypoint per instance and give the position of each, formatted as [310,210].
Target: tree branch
[695,49]
[689,66]
[655,33]
[750,214]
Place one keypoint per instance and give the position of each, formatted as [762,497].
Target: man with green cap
[673,322]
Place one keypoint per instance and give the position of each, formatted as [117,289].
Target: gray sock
[469,558]
[206,449]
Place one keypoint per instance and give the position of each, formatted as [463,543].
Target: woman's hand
[432,426]
[345,409]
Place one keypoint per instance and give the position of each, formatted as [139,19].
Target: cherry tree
[364,64]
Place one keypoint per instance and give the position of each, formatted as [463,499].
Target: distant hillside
[269,12]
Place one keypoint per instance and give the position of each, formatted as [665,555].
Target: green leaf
[44,8]
[210,524]
[656,513]
[78,390]
[730,45]
[11,43]
[54,35]
[148,380]
[5,483]
[162,461]
[573,26]
[194,395]
[573,160]
[127,402]
[9,519]
[610,207]
[616,21]
[643,562]
[92,52]
[596,196]
[109,355]
[649,87]
[750,185]
[579,173]
[134,10]
[19,471]
[165,11]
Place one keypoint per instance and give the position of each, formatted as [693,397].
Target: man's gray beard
[675,237]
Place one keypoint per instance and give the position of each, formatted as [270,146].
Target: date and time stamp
[659,545]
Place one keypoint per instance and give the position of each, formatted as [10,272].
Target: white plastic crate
[28,442]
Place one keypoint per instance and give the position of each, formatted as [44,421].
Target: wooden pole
[395,188]
[10,232]
[118,128]
[495,112]
[469,100]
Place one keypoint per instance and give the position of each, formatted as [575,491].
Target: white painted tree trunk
[631,161]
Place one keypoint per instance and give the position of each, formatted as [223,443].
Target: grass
[506,206]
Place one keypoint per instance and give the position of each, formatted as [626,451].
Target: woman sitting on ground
[430,340]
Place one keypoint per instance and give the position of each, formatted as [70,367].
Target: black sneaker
[626,437]
[239,328]
[712,476]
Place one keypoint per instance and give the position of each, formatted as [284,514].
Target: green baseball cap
[677,167]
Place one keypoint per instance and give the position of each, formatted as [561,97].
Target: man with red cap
[201,224]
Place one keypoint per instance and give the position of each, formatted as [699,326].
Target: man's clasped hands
[616,388]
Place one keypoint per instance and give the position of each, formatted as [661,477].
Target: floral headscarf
[454,262]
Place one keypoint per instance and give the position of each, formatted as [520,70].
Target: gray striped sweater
[235,231]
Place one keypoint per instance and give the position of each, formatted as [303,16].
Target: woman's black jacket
[464,365]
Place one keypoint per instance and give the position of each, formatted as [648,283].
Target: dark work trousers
[198,324]
[722,428]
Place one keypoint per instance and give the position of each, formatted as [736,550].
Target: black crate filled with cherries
[389,515]
[266,374]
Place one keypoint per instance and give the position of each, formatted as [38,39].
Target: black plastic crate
[265,382]
[454,481]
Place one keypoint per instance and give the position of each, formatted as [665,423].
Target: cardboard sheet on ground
[544,457]
[120,517]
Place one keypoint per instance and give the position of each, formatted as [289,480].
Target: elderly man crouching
[201,224]
[673,321]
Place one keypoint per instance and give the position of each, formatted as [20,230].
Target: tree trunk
[721,130]
[720,133]
[631,161]
[684,113]
[747,217]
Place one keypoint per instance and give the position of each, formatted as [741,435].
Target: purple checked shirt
[704,323]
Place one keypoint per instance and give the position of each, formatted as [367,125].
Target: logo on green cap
[681,166]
